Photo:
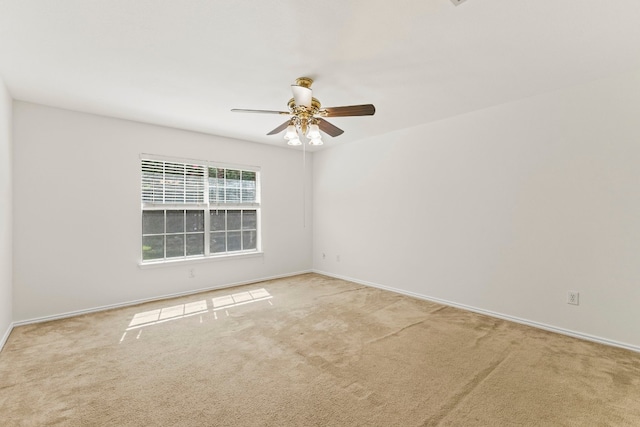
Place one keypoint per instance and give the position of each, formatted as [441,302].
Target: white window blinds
[172,183]
[231,186]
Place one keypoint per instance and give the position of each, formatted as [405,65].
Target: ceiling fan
[306,114]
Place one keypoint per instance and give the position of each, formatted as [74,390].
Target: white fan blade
[302,95]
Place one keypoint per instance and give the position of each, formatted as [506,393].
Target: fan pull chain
[304,185]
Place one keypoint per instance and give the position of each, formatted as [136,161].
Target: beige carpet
[309,351]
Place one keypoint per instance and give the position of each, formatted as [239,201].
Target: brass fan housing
[315,106]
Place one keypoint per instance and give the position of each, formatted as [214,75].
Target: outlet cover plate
[573,298]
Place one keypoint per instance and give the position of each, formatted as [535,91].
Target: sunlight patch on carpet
[181,311]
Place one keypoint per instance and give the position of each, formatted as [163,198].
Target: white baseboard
[5,337]
[532,323]
[151,299]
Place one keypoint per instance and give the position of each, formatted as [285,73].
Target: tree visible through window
[197,210]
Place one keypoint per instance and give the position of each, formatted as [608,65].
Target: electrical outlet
[338,258]
[573,297]
[192,273]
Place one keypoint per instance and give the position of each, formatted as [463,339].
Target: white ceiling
[186,63]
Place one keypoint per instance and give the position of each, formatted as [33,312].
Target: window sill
[188,261]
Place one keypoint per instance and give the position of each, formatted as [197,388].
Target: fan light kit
[307,116]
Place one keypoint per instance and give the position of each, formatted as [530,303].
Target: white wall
[77,218]
[503,210]
[6,214]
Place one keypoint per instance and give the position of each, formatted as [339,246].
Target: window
[195,210]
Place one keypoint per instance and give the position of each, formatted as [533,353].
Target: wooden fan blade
[279,128]
[328,128]
[350,110]
[241,110]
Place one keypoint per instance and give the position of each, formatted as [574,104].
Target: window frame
[206,207]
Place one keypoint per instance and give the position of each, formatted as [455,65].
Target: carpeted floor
[309,351]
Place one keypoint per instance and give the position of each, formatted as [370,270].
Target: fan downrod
[304,82]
